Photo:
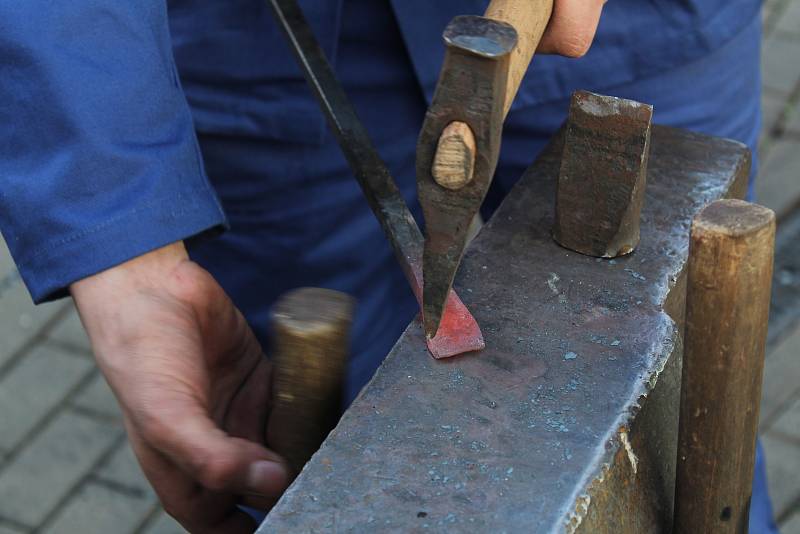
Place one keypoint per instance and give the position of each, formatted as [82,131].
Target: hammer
[459,331]
[458,147]
[310,328]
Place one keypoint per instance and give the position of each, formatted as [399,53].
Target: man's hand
[193,384]
[572,26]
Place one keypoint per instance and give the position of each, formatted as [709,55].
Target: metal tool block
[567,421]
[602,178]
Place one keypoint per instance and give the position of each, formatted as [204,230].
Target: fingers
[198,510]
[572,26]
[200,472]
[219,462]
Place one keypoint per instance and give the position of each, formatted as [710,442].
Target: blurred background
[65,466]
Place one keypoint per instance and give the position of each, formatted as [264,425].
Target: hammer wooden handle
[310,328]
[529,18]
[453,165]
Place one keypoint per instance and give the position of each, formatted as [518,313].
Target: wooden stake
[727,307]
[311,329]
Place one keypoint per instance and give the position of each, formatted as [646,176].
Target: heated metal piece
[471,90]
[603,172]
[462,333]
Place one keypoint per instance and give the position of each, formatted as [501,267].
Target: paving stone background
[66,467]
[779,188]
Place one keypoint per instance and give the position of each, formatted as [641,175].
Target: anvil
[567,421]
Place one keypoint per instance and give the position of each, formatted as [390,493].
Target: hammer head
[471,90]
[603,172]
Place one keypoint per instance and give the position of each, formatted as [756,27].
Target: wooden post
[727,307]
[311,329]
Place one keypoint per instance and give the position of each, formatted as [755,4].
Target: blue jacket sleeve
[99,161]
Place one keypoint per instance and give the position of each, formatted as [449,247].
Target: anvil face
[567,421]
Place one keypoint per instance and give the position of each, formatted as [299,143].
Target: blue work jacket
[232,56]
[99,101]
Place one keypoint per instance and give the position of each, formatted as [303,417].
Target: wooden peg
[310,329]
[727,308]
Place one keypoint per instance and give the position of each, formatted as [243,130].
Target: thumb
[572,27]
[214,459]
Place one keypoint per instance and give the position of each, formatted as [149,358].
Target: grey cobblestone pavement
[66,467]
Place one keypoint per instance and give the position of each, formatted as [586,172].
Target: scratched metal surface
[511,438]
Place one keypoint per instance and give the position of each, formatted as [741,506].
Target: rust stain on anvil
[519,438]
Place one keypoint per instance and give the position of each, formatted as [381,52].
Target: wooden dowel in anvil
[603,173]
[311,329]
[727,308]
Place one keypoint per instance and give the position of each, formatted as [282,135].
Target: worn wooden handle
[529,18]
[727,310]
[453,165]
[310,328]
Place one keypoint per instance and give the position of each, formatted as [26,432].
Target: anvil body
[567,421]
